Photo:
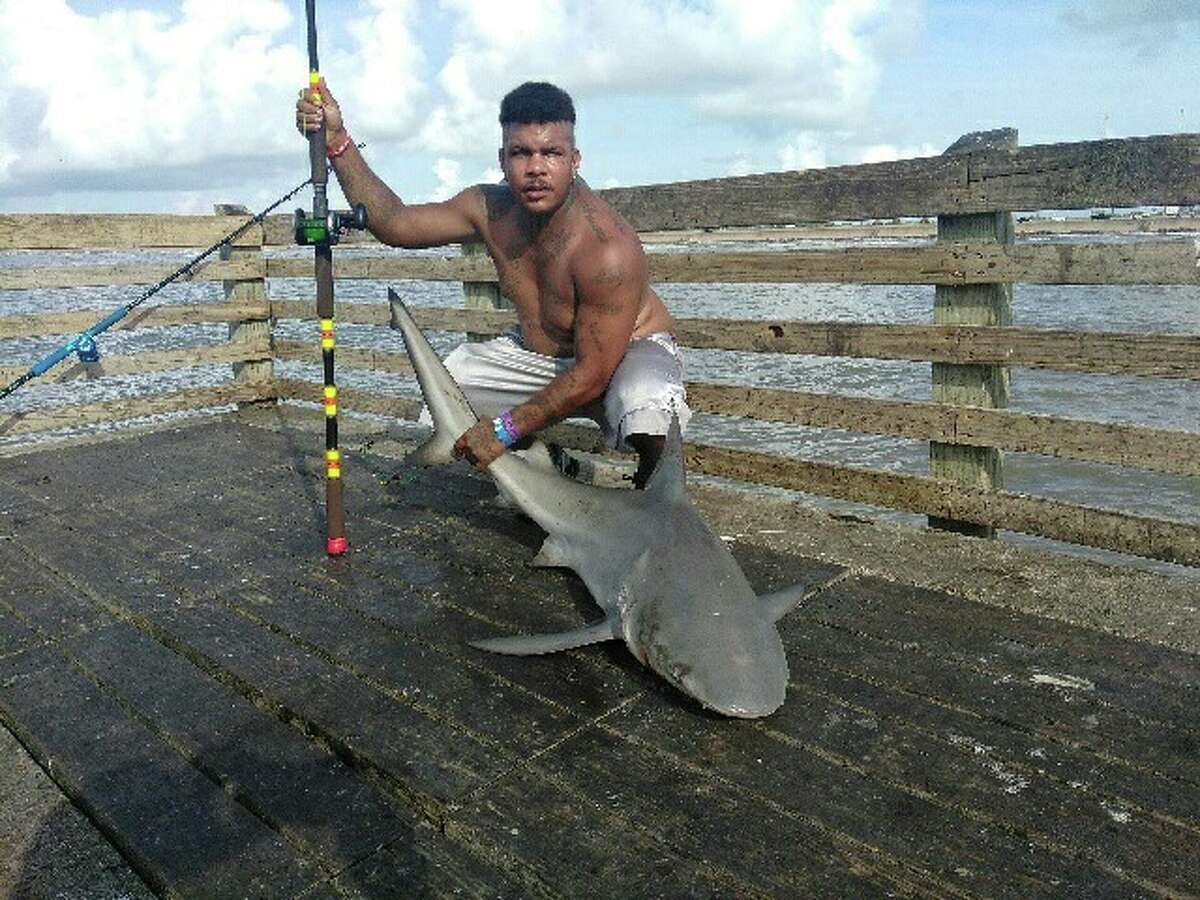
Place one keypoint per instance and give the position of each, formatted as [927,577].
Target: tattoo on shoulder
[590,214]
[499,200]
[613,276]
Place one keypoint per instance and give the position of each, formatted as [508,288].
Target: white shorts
[646,388]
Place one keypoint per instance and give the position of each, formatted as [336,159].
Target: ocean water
[1161,403]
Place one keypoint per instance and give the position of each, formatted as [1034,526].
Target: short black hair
[536,102]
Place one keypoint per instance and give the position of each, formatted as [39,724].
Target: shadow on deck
[237,715]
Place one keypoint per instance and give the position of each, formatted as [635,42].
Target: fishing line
[84,343]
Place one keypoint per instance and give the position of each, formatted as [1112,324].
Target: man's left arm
[608,287]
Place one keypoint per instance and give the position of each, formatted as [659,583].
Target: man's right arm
[389,218]
[400,224]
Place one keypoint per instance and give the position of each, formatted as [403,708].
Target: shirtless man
[594,338]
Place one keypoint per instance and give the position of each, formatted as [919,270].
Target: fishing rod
[84,343]
[321,231]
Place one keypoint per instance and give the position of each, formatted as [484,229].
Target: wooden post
[975,304]
[481,294]
[249,330]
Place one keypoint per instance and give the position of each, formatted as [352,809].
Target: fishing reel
[311,231]
[86,349]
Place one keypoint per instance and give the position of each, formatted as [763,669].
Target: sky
[171,106]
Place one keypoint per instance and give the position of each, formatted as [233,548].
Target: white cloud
[741,164]
[450,181]
[386,96]
[774,63]
[130,89]
[151,98]
[804,152]
[888,152]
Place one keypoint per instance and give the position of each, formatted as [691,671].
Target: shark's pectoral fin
[536,644]
[779,603]
[553,555]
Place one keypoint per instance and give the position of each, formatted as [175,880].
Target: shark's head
[732,661]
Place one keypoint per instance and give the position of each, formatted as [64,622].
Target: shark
[667,585]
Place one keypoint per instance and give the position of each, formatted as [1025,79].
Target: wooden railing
[971,193]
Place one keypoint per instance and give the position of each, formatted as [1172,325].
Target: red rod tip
[336,546]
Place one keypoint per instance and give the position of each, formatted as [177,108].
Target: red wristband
[335,152]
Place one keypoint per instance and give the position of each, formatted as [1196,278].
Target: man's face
[539,160]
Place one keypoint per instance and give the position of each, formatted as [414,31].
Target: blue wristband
[503,435]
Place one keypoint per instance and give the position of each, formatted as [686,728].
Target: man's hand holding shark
[594,339]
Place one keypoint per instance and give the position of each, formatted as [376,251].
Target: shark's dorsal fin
[779,603]
[668,481]
[536,644]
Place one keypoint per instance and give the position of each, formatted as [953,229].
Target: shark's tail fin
[452,414]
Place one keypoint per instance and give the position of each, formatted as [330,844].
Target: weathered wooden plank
[466,698]
[46,604]
[321,805]
[1160,356]
[1166,261]
[438,318]
[1067,712]
[972,728]
[350,400]
[988,304]
[351,357]
[670,816]
[953,263]
[247,289]
[98,276]
[1142,224]
[391,736]
[421,268]
[995,792]
[39,325]
[1129,172]
[15,635]
[481,294]
[48,848]
[278,230]
[303,792]
[907,822]
[74,415]
[1149,171]
[1177,542]
[428,863]
[1154,449]
[72,231]
[150,361]
[146,799]
[1096,672]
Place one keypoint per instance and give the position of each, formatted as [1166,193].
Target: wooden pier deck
[196,702]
